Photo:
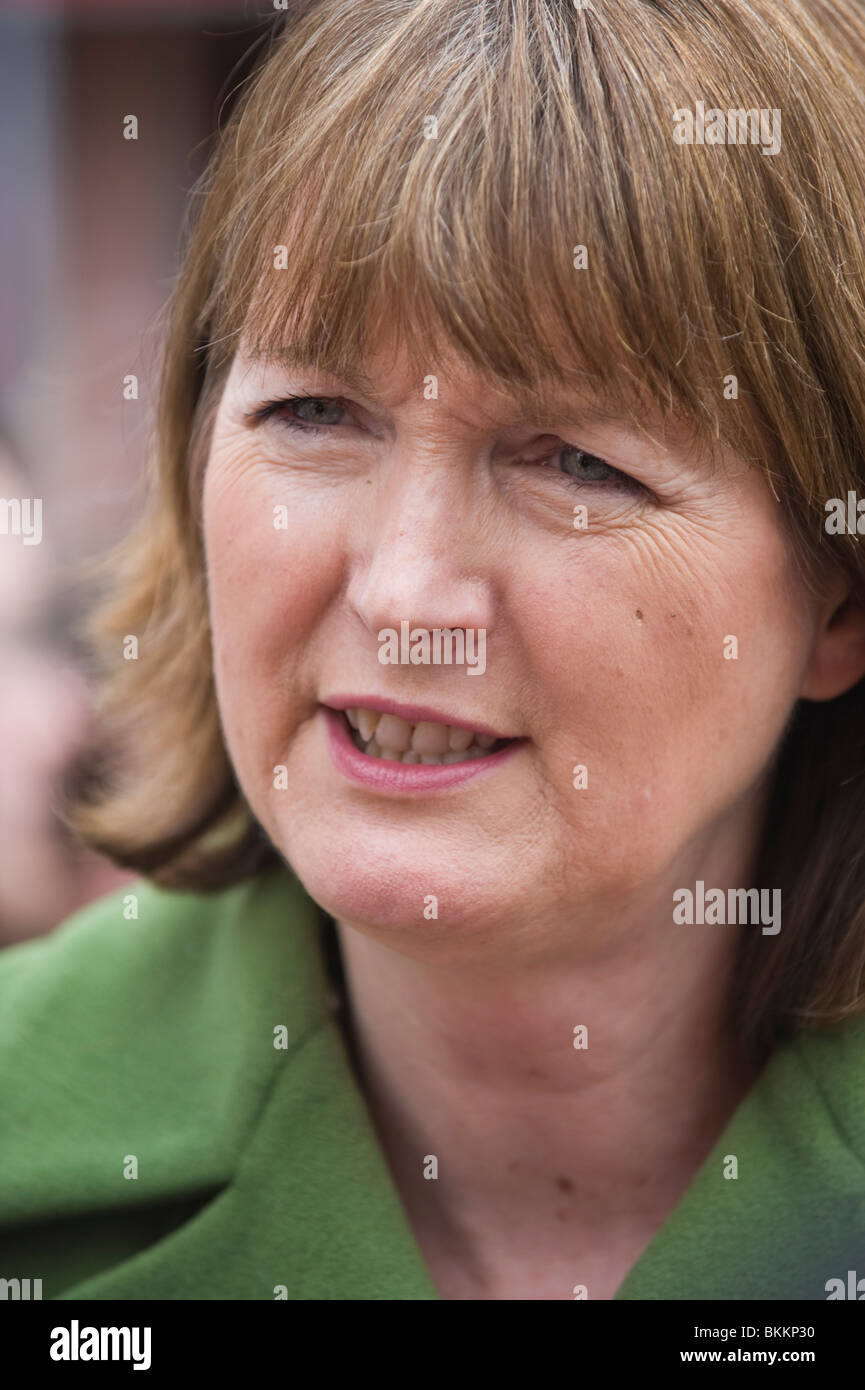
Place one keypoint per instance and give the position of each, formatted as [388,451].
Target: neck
[540,1133]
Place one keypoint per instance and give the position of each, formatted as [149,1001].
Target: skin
[605,647]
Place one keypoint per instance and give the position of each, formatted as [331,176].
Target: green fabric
[258,1166]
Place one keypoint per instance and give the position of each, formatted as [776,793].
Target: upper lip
[412,714]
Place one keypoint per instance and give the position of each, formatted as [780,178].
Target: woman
[474,350]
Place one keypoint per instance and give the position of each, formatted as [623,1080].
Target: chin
[390,886]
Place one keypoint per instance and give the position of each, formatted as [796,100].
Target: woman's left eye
[583,467]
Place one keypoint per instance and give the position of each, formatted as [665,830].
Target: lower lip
[385,775]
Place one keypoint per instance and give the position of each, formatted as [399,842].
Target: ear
[837,659]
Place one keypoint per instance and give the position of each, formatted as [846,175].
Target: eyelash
[273,410]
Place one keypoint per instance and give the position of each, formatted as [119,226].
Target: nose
[419,554]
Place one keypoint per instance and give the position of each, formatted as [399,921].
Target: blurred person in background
[45,724]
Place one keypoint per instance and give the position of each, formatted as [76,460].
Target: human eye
[308,414]
[583,469]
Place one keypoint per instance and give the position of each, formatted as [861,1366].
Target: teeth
[430,738]
[459,739]
[392,732]
[366,722]
[389,737]
[453,755]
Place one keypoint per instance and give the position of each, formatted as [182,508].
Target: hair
[553,129]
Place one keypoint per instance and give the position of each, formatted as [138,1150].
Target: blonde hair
[431,166]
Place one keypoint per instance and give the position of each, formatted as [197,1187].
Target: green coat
[152,1041]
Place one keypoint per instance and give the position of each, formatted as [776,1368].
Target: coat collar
[304,1206]
[293,1195]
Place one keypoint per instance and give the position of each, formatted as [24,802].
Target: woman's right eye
[304,412]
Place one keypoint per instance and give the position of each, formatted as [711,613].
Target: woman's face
[658,640]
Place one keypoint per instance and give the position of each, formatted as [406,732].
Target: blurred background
[90,235]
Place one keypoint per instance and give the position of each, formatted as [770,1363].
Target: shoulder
[107,966]
[146,1023]
[826,1083]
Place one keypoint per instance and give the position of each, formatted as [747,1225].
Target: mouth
[422,742]
[405,750]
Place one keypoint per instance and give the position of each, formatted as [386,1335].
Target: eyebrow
[290,361]
[533,406]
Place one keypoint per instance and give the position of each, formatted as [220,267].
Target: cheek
[270,558]
[668,673]
[271,571]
